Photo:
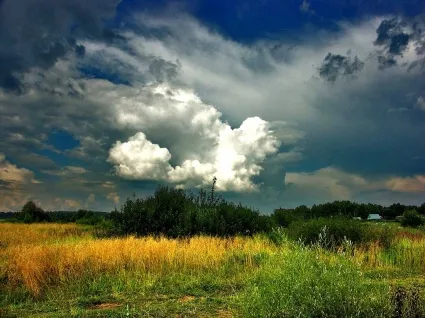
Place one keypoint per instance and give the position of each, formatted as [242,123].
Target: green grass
[126,295]
[304,284]
[297,282]
[294,281]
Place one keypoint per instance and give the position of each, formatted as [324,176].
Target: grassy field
[62,270]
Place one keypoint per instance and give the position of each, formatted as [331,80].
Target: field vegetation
[179,255]
[65,270]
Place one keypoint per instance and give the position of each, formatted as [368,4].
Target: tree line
[344,209]
[32,213]
[176,213]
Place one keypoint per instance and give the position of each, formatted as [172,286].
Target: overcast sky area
[285,102]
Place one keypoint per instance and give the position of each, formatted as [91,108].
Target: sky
[284,102]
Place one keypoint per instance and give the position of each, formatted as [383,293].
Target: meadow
[65,270]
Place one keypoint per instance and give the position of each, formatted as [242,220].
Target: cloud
[420,103]
[408,184]
[114,197]
[60,204]
[108,185]
[236,158]
[74,204]
[390,34]
[14,176]
[33,160]
[335,65]
[397,37]
[204,145]
[332,183]
[48,31]
[67,171]
[15,183]
[138,158]
[91,197]
[197,94]
[305,8]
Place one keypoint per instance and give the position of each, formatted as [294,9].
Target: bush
[303,283]
[92,220]
[411,218]
[31,213]
[86,217]
[333,232]
[383,233]
[329,232]
[284,217]
[178,213]
[277,236]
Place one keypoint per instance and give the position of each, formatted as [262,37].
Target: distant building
[357,218]
[399,218]
[374,217]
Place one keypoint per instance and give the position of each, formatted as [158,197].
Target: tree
[412,218]
[421,209]
[361,211]
[31,213]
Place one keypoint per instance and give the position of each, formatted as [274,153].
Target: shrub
[284,217]
[277,236]
[381,232]
[31,213]
[331,233]
[304,283]
[412,218]
[178,213]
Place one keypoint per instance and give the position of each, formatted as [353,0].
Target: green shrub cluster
[88,217]
[31,213]
[175,212]
[332,232]
[411,218]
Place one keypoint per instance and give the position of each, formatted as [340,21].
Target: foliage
[31,213]
[347,209]
[333,232]
[63,270]
[303,283]
[177,213]
[38,265]
[412,218]
[88,217]
[284,217]
[384,234]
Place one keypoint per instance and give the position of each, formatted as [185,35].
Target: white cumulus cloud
[138,158]
[195,136]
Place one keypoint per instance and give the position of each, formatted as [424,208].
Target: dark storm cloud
[394,36]
[393,40]
[390,33]
[336,65]
[36,33]
[163,70]
[386,61]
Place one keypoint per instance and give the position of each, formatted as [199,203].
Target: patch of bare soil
[106,306]
[186,299]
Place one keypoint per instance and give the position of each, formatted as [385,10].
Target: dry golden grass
[38,256]
[38,265]
[407,252]
[12,234]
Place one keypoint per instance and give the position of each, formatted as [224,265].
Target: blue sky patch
[62,140]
